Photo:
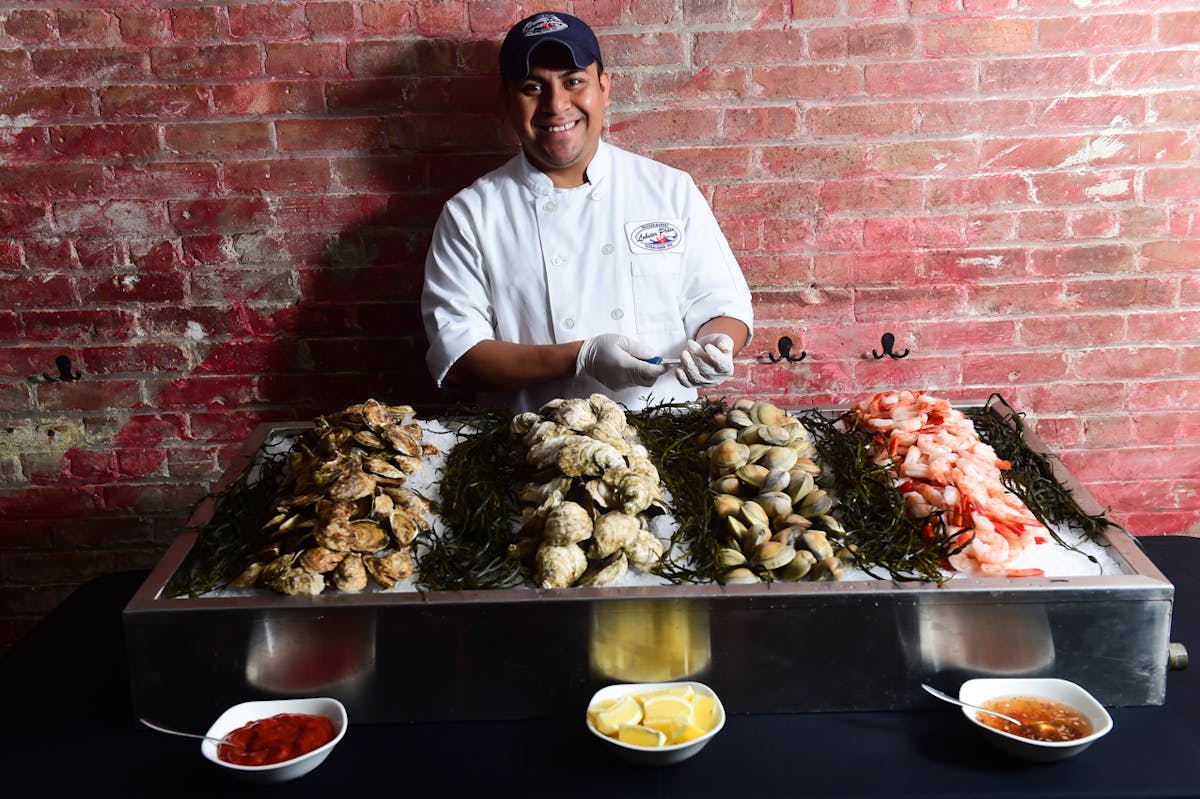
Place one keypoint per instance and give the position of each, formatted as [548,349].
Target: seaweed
[224,545]
[469,547]
[1031,476]
[881,536]
[670,432]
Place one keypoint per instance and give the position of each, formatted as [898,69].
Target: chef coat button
[569,323]
[607,249]
[557,260]
[617,314]
[596,195]
[549,206]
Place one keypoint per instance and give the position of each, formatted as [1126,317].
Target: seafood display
[777,520]
[585,515]
[944,470]
[343,516]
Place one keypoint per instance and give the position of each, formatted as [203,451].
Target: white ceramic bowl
[981,690]
[240,715]
[659,755]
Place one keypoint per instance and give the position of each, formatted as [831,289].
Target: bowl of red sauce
[276,740]
[1059,719]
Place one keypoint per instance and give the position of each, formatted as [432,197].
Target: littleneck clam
[778,521]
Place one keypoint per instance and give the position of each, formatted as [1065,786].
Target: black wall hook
[888,341]
[64,371]
[785,352]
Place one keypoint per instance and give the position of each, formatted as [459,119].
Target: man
[577,266]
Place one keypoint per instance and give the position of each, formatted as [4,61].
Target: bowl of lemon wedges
[658,723]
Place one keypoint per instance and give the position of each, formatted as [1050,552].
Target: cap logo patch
[654,236]
[543,24]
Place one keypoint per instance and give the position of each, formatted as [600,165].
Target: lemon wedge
[608,720]
[638,735]
[682,691]
[689,733]
[704,712]
[673,707]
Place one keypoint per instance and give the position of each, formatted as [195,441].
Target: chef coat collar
[539,182]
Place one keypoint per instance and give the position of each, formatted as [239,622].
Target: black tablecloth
[68,728]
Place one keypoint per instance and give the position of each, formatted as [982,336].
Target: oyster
[390,568]
[613,531]
[560,566]
[350,574]
[567,523]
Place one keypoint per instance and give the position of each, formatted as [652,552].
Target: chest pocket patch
[655,236]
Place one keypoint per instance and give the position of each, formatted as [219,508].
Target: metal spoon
[945,697]
[169,731]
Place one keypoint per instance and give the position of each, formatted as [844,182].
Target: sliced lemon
[682,691]
[625,710]
[638,735]
[690,733]
[704,712]
[672,707]
[599,707]
[671,726]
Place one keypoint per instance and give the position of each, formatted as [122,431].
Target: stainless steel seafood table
[69,729]
[524,653]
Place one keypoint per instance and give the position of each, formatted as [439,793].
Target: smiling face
[557,112]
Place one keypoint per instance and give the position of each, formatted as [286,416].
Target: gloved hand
[706,361]
[616,361]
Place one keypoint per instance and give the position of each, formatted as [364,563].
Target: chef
[578,267]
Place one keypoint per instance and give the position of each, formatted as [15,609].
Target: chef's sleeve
[713,283]
[456,305]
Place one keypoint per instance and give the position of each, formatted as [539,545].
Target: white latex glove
[618,362]
[706,361]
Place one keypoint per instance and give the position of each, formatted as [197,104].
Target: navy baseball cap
[548,26]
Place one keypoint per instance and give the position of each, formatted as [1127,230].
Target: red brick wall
[219,213]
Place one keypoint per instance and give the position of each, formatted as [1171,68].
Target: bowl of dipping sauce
[276,740]
[1059,719]
[658,723]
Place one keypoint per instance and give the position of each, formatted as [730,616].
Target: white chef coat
[636,250]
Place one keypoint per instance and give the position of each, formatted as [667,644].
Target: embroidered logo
[543,24]
[655,236]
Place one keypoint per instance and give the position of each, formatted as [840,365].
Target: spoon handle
[181,733]
[945,697]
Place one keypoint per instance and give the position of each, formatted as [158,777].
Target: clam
[726,484]
[726,456]
[738,418]
[752,513]
[743,404]
[827,570]
[752,474]
[774,503]
[789,535]
[776,481]
[791,520]
[830,523]
[815,504]
[782,458]
[768,413]
[727,505]
[773,554]
[816,543]
[754,537]
[739,576]
[801,485]
[798,567]
[728,558]
[806,464]
[723,434]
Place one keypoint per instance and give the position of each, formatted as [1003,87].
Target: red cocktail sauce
[273,740]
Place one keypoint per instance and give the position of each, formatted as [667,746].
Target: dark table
[68,729]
